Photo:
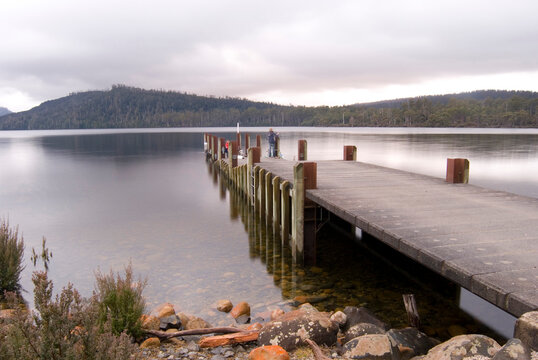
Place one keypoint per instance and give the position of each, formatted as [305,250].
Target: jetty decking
[484,240]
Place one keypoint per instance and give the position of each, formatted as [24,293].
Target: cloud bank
[298,52]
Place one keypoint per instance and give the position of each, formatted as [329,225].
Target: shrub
[121,301]
[66,327]
[11,258]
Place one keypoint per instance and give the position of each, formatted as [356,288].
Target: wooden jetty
[484,240]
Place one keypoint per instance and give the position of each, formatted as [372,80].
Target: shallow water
[103,198]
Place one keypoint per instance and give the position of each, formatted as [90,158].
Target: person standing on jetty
[272,138]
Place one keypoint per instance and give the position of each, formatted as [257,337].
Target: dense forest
[127,107]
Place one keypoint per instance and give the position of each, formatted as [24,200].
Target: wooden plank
[466,233]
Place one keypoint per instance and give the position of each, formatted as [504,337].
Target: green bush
[11,258]
[121,301]
[64,327]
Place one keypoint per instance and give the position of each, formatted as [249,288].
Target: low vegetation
[66,326]
[11,258]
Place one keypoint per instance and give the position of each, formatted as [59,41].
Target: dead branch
[216,330]
[318,355]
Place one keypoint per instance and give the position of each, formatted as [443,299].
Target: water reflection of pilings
[265,241]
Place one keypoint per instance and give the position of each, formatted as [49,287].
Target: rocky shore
[306,333]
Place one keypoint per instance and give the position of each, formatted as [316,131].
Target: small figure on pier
[226,149]
[272,138]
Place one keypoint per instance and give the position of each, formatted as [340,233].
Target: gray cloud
[244,48]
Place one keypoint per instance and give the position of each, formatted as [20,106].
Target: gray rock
[514,349]
[371,347]
[526,329]
[357,315]
[411,342]
[242,319]
[340,318]
[192,346]
[293,328]
[464,347]
[170,322]
[360,330]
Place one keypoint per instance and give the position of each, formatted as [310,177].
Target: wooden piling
[259,141]
[268,196]
[233,152]
[276,202]
[350,153]
[301,150]
[457,171]
[285,211]
[247,142]
[261,192]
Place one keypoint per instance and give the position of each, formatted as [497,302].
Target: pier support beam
[261,192]
[233,151]
[457,171]
[247,142]
[276,203]
[304,214]
[350,153]
[302,150]
[259,141]
[253,157]
[285,211]
[215,147]
[268,196]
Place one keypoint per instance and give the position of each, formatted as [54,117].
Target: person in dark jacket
[272,138]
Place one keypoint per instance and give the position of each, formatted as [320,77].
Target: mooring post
[233,151]
[304,213]
[215,148]
[261,192]
[255,186]
[268,195]
[259,141]
[285,211]
[276,202]
[457,171]
[221,143]
[253,157]
[247,142]
[350,153]
[302,150]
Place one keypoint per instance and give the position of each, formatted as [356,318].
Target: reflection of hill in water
[125,144]
[348,273]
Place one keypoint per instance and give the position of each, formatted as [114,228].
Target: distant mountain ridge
[4,111]
[128,107]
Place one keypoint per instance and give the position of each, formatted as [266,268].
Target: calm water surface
[104,198]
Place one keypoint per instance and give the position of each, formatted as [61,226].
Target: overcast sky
[288,52]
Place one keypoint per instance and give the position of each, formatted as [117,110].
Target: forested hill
[4,111]
[127,107]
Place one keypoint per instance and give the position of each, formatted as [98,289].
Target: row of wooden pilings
[281,202]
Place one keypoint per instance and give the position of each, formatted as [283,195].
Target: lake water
[103,198]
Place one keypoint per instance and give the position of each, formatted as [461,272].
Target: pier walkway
[483,240]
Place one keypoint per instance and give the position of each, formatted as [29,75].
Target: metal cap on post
[457,171]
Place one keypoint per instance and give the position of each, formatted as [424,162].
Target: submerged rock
[411,342]
[357,315]
[463,347]
[360,330]
[371,347]
[293,328]
[514,349]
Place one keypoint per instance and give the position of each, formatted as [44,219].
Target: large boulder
[463,347]
[357,315]
[526,329]
[411,342]
[371,347]
[170,322]
[292,329]
[360,330]
[514,349]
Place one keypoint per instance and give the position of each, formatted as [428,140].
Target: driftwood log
[216,330]
[221,340]
[318,355]
[411,309]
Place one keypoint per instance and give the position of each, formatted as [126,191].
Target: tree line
[128,107]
